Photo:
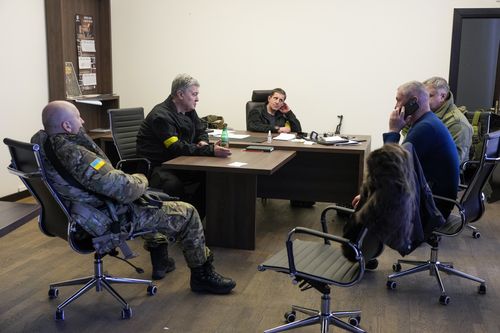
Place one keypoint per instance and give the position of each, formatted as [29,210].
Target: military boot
[162,264]
[206,279]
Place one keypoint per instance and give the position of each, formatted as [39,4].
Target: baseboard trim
[16,196]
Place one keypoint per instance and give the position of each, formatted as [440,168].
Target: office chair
[318,265]
[125,124]
[259,97]
[55,221]
[481,125]
[470,208]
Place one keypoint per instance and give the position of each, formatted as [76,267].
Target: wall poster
[86,52]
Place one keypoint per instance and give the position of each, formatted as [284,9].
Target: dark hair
[388,195]
[279,91]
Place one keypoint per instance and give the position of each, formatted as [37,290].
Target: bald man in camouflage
[87,164]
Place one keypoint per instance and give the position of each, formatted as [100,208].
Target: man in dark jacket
[275,116]
[174,129]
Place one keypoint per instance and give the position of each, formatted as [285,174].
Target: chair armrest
[134,162]
[342,209]
[161,195]
[453,201]
[468,163]
[319,234]
[27,175]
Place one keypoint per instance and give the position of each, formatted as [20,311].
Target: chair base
[100,281]
[324,317]
[434,267]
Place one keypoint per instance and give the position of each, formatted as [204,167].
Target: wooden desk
[317,172]
[231,192]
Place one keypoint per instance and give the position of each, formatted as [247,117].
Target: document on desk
[237,164]
[218,132]
[285,137]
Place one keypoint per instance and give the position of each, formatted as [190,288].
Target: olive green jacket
[458,125]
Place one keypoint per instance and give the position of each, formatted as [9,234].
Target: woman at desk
[275,116]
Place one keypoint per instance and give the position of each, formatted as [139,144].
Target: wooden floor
[29,261]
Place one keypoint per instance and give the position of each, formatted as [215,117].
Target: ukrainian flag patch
[97,163]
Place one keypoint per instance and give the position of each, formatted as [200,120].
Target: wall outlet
[21,188]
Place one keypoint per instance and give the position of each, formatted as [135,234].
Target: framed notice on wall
[86,52]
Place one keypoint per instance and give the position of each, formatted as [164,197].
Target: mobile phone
[411,106]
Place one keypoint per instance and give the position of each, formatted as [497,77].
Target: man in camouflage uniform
[99,182]
[441,103]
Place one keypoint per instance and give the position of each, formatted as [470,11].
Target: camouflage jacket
[90,167]
[458,125]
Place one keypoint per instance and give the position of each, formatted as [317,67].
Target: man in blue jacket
[431,140]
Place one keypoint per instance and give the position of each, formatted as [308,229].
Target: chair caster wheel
[476,234]
[126,313]
[152,290]
[391,285]
[444,299]
[53,293]
[354,321]
[396,267]
[59,315]
[290,316]
[482,289]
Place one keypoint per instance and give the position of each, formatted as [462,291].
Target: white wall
[331,56]
[23,73]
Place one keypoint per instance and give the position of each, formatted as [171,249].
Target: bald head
[61,117]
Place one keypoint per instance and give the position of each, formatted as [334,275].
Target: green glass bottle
[224,137]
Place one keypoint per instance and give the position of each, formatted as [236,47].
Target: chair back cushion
[125,124]
[259,97]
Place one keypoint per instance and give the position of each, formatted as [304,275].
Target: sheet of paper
[89,101]
[237,164]
[334,138]
[84,62]
[87,45]
[348,143]
[218,132]
[285,137]
[89,79]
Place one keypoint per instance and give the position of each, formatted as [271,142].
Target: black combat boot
[162,264]
[206,279]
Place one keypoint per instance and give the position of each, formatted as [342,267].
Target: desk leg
[230,202]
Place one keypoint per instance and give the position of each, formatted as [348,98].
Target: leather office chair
[319,265]
[481,124]
[259,97]
[125,124]
[470,209]
[55,221]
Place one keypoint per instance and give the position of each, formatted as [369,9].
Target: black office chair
[55,221]
[259,97]
[125,124]
[470,209]
[481,124]
[318,265]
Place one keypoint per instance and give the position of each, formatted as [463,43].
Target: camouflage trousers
[175,221]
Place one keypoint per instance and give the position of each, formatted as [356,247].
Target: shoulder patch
[97,163]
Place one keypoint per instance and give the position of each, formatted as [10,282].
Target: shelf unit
[61,47]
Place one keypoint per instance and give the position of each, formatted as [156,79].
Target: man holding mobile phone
[432,141]
[275,116]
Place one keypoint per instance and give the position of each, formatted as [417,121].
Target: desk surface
[299,146]
[259,163]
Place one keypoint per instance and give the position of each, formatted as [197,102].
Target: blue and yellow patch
[97,163]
